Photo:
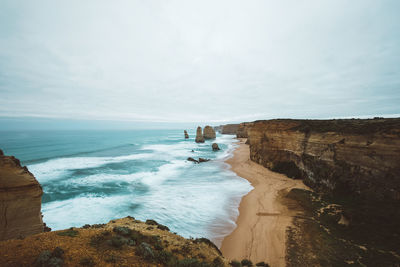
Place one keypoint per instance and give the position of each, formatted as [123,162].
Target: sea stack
[21,200]
[215,147]
[199,136]
[209,132]
[186,134]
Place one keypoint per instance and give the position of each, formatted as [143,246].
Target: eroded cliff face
[209,132]
[242,129]
[357,156]
[229,128]
[20,200]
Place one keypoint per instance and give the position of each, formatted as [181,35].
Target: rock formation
[186,134]
[209,132]
[215,147]
[242,129]
[121,242]
[229,128]
[192,159]
[20,198]
[199,136]
[197,161]
[356,157]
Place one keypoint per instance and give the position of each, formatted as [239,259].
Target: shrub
[125,231]
[69,232]
[217,262]
[145,251]
[190,262]
[117,241]
[246,262]
[50,259]
[151,222]
[165,257]
[235,263]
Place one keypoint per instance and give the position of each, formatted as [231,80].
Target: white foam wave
[154,178]
[54,168]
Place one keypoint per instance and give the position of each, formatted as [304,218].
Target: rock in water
[203,160]
[209,132]
[199,136]
[215,147]
[186,134]
[20,198]
[192,159]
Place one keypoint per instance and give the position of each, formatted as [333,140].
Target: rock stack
[186,134]
[209,132]
[215,147]
[199,136]
[20,198]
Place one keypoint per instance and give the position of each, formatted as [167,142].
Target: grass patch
[69,232]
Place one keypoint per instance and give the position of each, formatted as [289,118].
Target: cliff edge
[20,200]
[359,157]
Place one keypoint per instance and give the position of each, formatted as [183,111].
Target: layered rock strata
[209,133]
[20,200]
[359,157]
[242,129]
[229,128]
[199,136]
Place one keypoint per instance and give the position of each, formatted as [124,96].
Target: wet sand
[260,234]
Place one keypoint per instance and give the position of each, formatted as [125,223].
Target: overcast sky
[203,61]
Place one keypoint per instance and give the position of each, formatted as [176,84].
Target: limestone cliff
[20,200]
[242,129]
[209,132]
[199,136]
[360,157]
[229,128]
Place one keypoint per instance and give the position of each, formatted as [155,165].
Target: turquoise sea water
[95,176]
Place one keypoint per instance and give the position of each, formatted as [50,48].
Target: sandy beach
[260,234]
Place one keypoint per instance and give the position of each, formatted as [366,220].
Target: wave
[55,168]
[38,160]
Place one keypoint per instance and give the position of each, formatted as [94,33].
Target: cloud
[182,61]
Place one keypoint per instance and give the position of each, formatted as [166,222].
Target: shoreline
[260,234]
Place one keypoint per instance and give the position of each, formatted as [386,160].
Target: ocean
[93,176]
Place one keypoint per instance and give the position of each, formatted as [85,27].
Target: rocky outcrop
[218,128]
[20,200]
[215,147]
[121,242]
[229,128]
[209,132]
[242,129]
[199,136]
[360,157]
[197,161]
[186,134]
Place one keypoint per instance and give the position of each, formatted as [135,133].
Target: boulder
[199,136]
[215,147]
[186,134]
[20,198]
[209,132]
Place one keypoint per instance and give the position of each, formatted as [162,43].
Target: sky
[198,61]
